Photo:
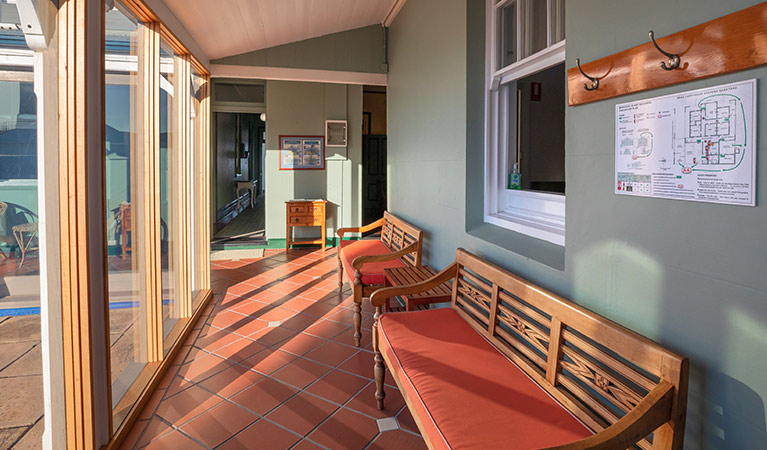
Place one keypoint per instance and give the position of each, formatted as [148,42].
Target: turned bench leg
[340,273]
[379,365]
[357,308]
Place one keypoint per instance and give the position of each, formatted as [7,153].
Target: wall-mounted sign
[335,133]
[302,153]
[697,145]
[535,92]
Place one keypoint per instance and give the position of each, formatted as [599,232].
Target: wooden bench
[365,260]
[511,365]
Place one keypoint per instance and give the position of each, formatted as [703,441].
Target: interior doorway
[240,153]
[374,173]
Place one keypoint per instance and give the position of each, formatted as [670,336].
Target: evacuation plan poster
[697,145]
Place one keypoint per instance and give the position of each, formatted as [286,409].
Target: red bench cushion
[372,273]
[467,394]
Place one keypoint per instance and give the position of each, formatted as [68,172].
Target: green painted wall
[688,275]
[358,50]
[300,109]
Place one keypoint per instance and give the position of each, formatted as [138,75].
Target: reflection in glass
[539,28]
[124,193]
[196,82]
[169,186]
[508,35]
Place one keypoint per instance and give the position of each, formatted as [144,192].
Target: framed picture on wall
[302,153]
[335,133]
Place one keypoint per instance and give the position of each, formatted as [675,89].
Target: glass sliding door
[196,179]
[125,193]
[171,167]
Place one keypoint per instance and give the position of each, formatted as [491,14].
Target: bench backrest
[595,368]
[397,234]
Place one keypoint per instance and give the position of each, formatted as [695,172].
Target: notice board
[697,145]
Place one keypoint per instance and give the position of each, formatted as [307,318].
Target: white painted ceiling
[230,27]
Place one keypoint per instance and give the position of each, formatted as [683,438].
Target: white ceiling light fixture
[263,117]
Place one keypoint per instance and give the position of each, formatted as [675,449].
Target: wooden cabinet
[305,213]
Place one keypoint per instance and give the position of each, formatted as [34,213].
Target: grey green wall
[688,275]
[300,109]
[358,50]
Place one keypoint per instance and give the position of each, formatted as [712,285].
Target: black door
[373,177]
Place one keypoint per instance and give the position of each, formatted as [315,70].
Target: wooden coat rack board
[731,43]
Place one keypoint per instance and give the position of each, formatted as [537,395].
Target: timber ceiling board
[230,27]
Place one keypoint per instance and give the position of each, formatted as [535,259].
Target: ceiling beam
[289,74]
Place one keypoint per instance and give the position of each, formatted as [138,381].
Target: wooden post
[379,368]
[82,223]
[357,307]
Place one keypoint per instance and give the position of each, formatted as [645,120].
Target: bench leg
[357,308]
[380,369]
[340,272]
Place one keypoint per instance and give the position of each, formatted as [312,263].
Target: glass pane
[20,328]
[169,186]
[538,25]
[537,131]
[558,25]
[124,193]
[241,93]
[196,178]
[507,27]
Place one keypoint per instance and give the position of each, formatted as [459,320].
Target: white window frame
[537,214]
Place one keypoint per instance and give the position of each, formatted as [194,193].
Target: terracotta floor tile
[203,367]
[302,413]
[301,372]
[264,396]
[213,339]
[328,329]
[219,424]
[361,364]
[251,307]
[307,445]
[186,405]
[177,384]
[365,402]
[273,336]
[226,318]
[331,353]
[269,361]
[319,309]
[134,434]
[406,421]
[338,386]
[173,441]
[154,430]
[299,322]
[301,344]
[240,350]
[231,381]
[262,434]
[345,430]
[151,405]
[396,440]
[311,330]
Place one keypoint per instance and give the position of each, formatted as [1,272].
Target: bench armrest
[362,259]
[653,411]
[380,296]
[377,224]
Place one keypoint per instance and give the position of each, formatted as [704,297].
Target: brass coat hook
[594,80]
[673,60]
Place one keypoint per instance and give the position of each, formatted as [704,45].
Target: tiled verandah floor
[272,365]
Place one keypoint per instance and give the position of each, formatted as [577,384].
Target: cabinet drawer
[316,209]
[298,209]
[305,220]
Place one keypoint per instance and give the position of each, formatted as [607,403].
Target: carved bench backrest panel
[397,234]
[594,367]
